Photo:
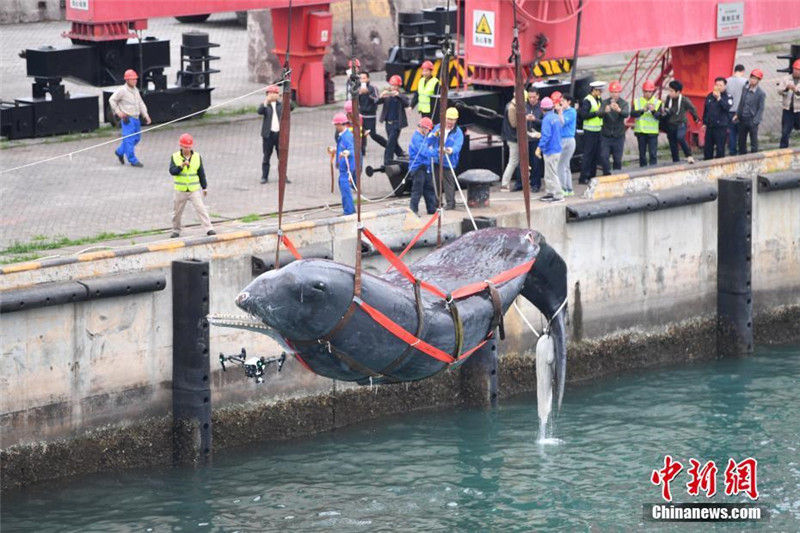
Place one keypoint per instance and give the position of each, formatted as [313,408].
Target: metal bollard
[191,390]
[734,268]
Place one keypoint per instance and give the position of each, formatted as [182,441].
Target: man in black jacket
[368,107]
[614,111]
[716,119]
[270,128]
[393,115]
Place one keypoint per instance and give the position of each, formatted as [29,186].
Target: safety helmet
[555,97]
[130,74]
[186,141]
[396,80]
[615,87]
[428,65]
[796,64]
[348,106]
[340,118]
[350,64]
[648,86]
[273,89]
[452,112]
[426,123]
[757,74]
[546,103]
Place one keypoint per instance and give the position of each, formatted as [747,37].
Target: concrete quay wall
[97,375]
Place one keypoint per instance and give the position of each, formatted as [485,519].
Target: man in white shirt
[128,106]
[271,109]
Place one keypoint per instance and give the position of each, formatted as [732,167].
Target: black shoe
[449,208]
[264,180]
[138,164]
[175,234]
[121,158]
[211,232]
[288,180]
[583,182]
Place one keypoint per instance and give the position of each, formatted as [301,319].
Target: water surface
[471,469]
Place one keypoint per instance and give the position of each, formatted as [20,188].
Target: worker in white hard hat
[453,141]
[589,112]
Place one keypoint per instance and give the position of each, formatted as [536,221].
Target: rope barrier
[142,132]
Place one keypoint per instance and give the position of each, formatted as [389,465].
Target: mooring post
[191,390]
[479,375]
[734,267]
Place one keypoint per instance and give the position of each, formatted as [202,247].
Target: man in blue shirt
[453,141]
[419,168]
[550,149]
[569,117]
[345,159]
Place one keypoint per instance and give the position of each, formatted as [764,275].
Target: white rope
[461,193]
[117,139]
[525,319]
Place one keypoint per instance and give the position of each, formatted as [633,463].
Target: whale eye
[319,285]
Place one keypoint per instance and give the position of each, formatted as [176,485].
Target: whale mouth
[248,322]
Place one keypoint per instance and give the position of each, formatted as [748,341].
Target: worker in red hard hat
[614,111]
[427,86]
[368,108]
[419,168]
[393,116]
[271,109]
[188,178]
[789,91]
[127,105]
[345,159]
[750,112]
[647,110]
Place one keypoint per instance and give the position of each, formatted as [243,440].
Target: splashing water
[545,370]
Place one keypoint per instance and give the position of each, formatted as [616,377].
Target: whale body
[302,304]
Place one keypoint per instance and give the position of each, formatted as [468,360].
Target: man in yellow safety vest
[189,177]
[647,110]
[589,112]
[426,88]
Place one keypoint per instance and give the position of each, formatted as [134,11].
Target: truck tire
[187,19]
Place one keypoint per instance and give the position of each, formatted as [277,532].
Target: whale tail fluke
[546,288]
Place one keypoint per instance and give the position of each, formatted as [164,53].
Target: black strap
[394,365]
[497,317]
[457,326]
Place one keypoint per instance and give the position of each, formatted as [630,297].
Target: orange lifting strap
[462,292]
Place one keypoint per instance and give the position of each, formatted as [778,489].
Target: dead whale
[307,306]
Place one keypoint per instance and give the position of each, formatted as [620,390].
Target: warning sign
[483,26]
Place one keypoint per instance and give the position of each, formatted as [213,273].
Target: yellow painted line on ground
[304,224]
[234,235]
[102,254]
[613,178]
[165,245]
[22,267]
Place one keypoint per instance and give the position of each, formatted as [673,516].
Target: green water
[470,469]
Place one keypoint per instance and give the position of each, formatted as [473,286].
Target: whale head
[303,300]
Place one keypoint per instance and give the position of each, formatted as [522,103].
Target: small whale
[302,306]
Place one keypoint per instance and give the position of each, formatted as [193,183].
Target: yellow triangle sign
[483,26]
